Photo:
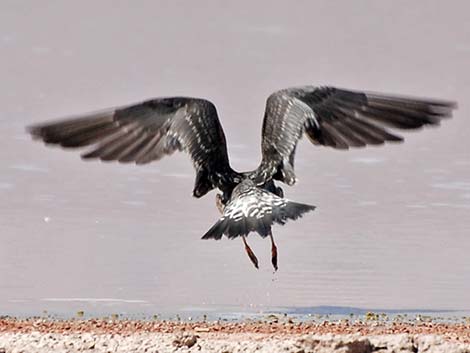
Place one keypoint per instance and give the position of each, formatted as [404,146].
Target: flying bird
[249,201]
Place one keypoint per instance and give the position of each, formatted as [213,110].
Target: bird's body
[249,201]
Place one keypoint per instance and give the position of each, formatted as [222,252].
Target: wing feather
[146,132]
[337,118]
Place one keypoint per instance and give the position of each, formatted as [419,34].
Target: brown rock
[356,346]
[187,340]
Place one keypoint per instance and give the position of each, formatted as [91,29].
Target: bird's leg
[273,252]
[250,252]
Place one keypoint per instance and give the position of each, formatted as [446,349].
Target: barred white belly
[251,208]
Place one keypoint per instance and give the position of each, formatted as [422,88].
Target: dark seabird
[249,201]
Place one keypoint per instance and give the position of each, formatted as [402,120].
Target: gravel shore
[40,335]
[224,343]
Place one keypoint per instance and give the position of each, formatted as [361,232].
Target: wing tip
[37,132]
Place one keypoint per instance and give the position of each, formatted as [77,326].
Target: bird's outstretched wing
[336,118]
[146,132]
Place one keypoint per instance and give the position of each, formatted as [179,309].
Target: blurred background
[392,225]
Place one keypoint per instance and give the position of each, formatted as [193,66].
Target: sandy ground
[96,335]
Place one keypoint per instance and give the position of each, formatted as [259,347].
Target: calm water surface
[392,225]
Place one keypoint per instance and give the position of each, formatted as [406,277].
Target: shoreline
[123,335]
[459,332]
